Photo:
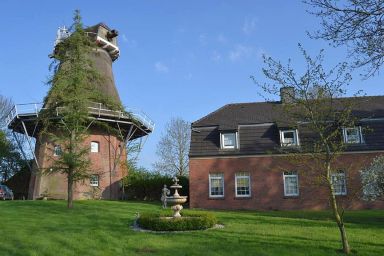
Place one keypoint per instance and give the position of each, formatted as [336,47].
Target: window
[289,138]
[338,183]
[216,185]
[94,180]
[229,140]
[94,147]
[57,150]
[291,184]
[242,184]
[353,135]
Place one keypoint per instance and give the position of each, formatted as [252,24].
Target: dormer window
[289,138]
[229,140]
[352,135]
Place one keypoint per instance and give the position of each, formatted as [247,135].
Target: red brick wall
[267,185]
[102,164]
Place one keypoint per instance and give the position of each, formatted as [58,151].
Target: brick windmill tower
[107,151]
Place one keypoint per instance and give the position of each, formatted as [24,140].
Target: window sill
[292,197]
[290,146]
[216,198]
[242,197]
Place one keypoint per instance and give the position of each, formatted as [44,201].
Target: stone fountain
[176,199]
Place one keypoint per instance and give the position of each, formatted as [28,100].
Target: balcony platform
[24,119]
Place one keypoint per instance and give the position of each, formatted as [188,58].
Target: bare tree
[173,148]
[6,105]
[357,24]
[318,110]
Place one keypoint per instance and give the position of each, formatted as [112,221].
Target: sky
[177,58]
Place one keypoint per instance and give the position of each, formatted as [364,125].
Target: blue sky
[178,58]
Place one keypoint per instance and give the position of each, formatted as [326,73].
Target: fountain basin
[177,200]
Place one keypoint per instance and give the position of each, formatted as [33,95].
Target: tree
[373,179]
[317,108]
[10,158]
[358,24]
[173,148]
[5,107]
[73,89]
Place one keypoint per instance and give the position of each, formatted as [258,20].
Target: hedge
[188,221]
[141,185]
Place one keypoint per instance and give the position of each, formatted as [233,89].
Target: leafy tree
[10,158]
[173,148]
[315,107]
[357,24]
[73,89]
[373,179]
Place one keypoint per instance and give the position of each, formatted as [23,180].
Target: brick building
[107,151]
[236,159]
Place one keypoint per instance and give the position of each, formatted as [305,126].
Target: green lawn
[103,228]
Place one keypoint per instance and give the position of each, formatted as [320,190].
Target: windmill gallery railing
[96,109]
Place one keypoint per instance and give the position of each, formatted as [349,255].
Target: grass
[103,228]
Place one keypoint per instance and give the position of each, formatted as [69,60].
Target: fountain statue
[164,193]
[176,199]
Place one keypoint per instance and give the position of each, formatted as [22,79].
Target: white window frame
[216,176]
[236,146]
[290,174]
[295,138]
[360,134]
[92,182]
[57,150]
[339,174]
[92,146]
[242,175]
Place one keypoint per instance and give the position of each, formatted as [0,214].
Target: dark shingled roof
[230,115]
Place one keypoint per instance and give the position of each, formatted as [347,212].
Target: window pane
[216,184]
[291,186]
[288,138]
[57,150]
[229,140]
[352,135]
[242,184]
[94,146]
[338,183]
[94,180]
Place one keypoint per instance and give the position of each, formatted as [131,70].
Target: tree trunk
[70,191]
[335,208]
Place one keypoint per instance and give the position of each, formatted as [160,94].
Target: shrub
[141,184]
[189,221]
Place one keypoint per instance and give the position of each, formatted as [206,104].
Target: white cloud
[240,52]
[249,25]
[216,56]
[130,42]
[124,37]
[161,67]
